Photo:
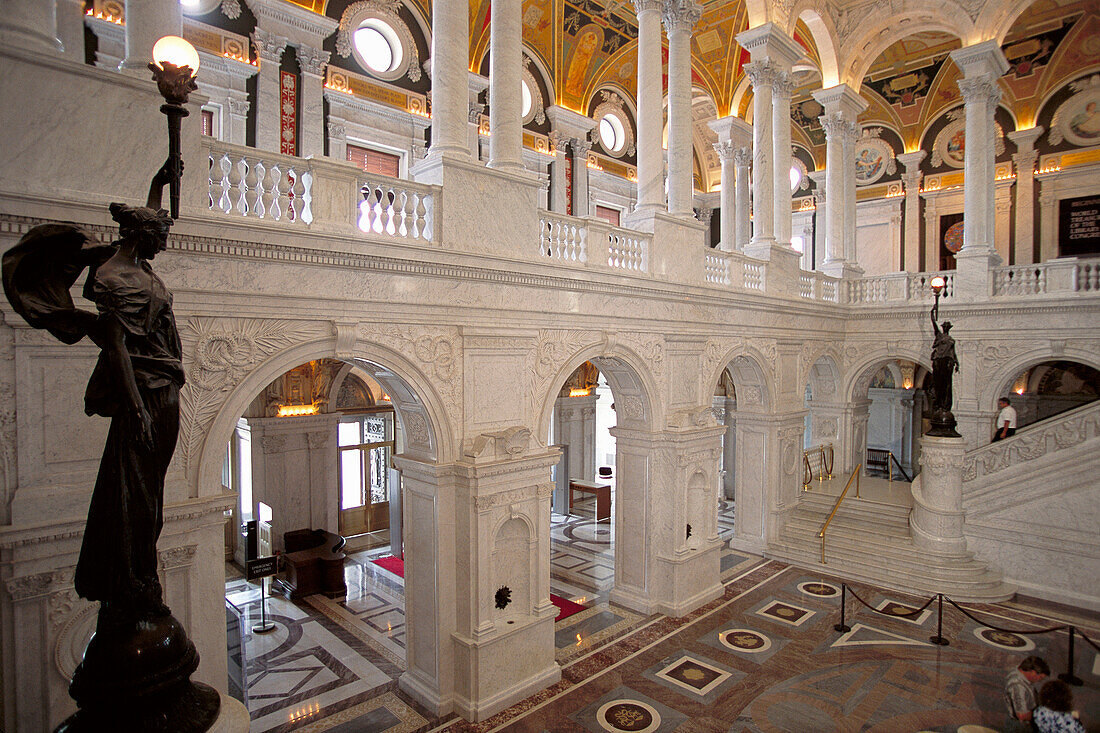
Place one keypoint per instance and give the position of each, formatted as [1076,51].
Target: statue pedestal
[232,717]
[136,675]
[937,518]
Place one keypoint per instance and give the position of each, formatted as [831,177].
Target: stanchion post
[1068,676]
[938,639]
[264,626]
[843,627]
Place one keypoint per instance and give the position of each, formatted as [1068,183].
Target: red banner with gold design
[288,113]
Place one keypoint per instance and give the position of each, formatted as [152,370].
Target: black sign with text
[261,567]
[1079,226]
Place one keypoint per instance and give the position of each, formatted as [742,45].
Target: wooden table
[603,497]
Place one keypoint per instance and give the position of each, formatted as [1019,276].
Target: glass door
[366,443]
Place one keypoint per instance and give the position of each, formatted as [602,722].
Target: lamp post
[944,365]
[175,63]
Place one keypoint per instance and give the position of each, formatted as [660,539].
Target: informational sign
[1079,226]
[261,567]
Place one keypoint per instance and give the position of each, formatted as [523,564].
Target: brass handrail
[821,534]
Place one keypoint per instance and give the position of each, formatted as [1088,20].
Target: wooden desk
[603,497]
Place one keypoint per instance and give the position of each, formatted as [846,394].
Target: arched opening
[1050,388]
[741,402]
[310,455]
[885,419]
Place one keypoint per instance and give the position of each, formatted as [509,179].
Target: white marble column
[982,64]
[505,87]
[269,47]
[762,75]
[818,177]
[727,235]
[651,169]
[931,259]
[450,78]
[781,146]
[311,121]
[842,106]
[147,21]
[1025,159]
[680,17]
[580,148]
[70,29]
[560,143]
[911,179]
[238,121]
[32,24]
[734,135]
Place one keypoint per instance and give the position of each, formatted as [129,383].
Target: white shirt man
[1006,420]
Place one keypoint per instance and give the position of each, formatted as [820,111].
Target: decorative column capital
[475,111]
[643,6]
[725,150]
[742,157]
[762,73]
[268,45]
[336,131]
[681,15]
[312,60]
[559,140]
[980,89]
[782,87]
[839,128]
[238,107]
[580,146]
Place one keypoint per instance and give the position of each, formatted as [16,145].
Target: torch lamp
[175,63]
[938,283]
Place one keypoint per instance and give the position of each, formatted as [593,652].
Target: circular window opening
[796,177]
[378,45]
[612,134]
[525,92]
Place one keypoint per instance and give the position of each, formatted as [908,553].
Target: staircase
[869,541]
[1032,506]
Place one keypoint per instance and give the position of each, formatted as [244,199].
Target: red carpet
[566,607]
[394,564]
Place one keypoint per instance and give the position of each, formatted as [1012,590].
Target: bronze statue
[944,365]
[136,670]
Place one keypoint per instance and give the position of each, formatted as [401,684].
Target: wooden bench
[603,497]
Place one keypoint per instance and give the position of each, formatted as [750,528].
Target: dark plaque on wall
[1079,226]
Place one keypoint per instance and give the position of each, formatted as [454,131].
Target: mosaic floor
[765,657]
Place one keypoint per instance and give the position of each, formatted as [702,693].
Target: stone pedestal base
[937,518]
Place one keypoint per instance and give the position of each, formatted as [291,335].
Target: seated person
[1020,693]
[1055,712]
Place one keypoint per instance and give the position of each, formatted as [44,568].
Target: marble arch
[859,376]
[823,376]
[754,389]
[1001,382]
[874,38]
[412,391]
[824,35]
[626,374]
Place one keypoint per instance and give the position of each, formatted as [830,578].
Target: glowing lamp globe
[176,51]
[937,284]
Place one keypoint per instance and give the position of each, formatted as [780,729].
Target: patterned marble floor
[762,658]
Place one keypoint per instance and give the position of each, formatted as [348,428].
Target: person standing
[1006,420]
[1020,693]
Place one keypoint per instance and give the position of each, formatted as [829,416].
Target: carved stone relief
[437,351]
[218,354]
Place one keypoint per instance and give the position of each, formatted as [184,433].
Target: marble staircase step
[871,542]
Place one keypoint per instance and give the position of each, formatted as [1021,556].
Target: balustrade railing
[752,275]
[869,290]
[397,208]
[1086,276]
[919,285]
[562,238]
[251,183]
[716,267]
[627,250]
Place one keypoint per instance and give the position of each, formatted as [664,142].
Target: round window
[612,134]
[796,177]
[525,92]
[378,46]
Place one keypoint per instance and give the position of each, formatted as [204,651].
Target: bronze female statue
[137,667]
[944,365]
